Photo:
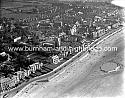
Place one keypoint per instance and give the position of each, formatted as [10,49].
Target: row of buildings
[10,82]
[103,30]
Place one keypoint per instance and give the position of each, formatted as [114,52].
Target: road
[81,77]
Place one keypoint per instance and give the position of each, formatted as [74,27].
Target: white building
[27,73]
[116,25]
[20,75]
[35,66]
[16,39]
[8,83]
[4,82]
[56,59]
[74,28]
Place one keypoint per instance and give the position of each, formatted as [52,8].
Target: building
[72,38]
[95,35]
[17,39]
[65,53]
[116,25]
[57,42]
[48,44]
[56,59]
[97,18]
[8,83]
[101,32]
[20,75]
[27,73]
[14,80]
[4,83]
[35,66]
[74,29]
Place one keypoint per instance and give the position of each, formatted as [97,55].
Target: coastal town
[36,39]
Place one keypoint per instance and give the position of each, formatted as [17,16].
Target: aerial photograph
[62,48]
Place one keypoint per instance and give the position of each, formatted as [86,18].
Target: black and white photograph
[62,48]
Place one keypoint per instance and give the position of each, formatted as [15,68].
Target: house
[20,75]
[55,59]
[116,25]
[35,66]
[27,72]
[72,38]
[95,35]
[41,26]
[99,33]
[14,80]
[4,82]
[7,83]
[48,44]
[17,39]
[74,29]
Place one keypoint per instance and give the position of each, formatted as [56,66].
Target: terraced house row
[10,82]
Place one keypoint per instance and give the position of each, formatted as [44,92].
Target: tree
[23,62]
[7,69]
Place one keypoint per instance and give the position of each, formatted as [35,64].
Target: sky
[119,3]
